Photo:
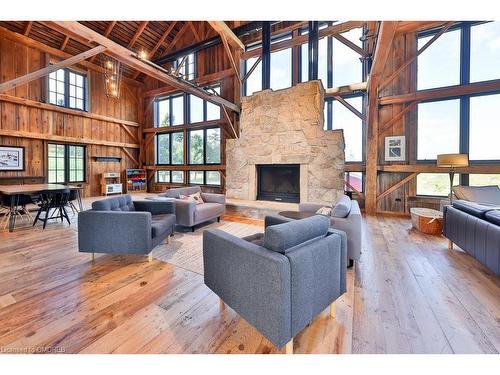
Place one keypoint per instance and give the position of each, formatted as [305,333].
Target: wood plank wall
[16,60]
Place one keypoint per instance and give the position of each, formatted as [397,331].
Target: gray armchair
[190,214]
[280,281]
[122,226]
[346,216]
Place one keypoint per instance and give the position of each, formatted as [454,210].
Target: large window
[281,69]
[169,111]
[68,89]
[204,178]
[468,125]
[66,163]
[204,146]
[188,68]
[170,148]
[484,179]
[352,125]
[435,184]
[438,128]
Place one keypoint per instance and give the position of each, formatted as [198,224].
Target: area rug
[185,249]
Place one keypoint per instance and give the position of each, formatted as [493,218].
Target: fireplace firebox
[278,182]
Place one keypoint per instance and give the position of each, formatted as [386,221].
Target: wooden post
[372,148]
[289,347]
[332,310]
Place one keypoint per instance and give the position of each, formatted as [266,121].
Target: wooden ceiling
[161,37]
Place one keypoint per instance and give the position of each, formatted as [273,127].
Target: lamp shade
[452,160]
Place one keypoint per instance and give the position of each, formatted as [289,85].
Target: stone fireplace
[286,127]
[278,182]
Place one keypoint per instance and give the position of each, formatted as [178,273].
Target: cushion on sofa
[471,208]
[282,237]
[342,207]
[161,224]
[207,211]
[493,217]
[486,195]
[176,192]
[120,203]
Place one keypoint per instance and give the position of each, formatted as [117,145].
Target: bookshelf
[137,180]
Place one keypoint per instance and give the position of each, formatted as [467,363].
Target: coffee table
[296,215]
[427,220]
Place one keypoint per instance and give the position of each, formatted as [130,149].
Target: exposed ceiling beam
[224,31]
[108,30]
[28,27]
[20,38]
[81,32]
[195,32]
[65,43]
[49,69]
[384,44]
[138,33]
[347,89]
[177,37]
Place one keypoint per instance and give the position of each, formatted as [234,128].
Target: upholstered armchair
[281,280]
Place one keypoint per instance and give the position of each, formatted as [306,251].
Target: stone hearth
[286,127]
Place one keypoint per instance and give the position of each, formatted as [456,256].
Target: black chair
[53,200]
[16,205]
[73,196]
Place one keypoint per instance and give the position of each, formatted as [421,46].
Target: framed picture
[11,158]
[395,149]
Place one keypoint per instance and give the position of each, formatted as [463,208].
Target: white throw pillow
[325,211]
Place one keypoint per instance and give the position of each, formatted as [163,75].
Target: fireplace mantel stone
[286,127]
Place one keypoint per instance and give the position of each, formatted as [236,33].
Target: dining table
[26,189]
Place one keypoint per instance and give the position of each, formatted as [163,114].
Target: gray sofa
[345,216]
[281,280]
[475,228]
[190,214]
[119,225]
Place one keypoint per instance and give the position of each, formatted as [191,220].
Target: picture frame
[11,158]
[395,148]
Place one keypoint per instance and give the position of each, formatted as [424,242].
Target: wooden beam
[60,138]
[354,167]
[350,107]
[397,186]
[228,119]
[301,39]
[28,27]
[108,30]
[214,167]
[226,33]
[65,43]
[130,156]
[68,111]
[347,89]
[137,34]
[130,58]
[195,32]
[399,115]
[177,37]
[406,64]
[177,128]
[432,168]
[162,39]
[372,148]
[384,43]
[19,38]
[443,92]
[350,44]
[231,57]
[250,71]
[49,69]
[127,130]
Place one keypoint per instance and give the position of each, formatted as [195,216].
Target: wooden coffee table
[427,220]
[296,215]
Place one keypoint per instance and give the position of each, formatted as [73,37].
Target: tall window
[204,146]
[188,68]
[169,111]
[68,89]
[465,54]
[254,80]
[66,163]
[352,125]
[170,148]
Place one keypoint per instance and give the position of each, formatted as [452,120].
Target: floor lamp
[452,161]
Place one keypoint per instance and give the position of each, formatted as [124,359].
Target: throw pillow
[197,197]
[186,198]
[325,211]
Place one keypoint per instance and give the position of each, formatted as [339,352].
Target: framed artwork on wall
[395,148]
[11,158]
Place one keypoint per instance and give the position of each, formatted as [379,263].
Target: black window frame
[187,72]
[204,146]
[85,99]
[67,158]
[157,147]
[464,100]
[204,178]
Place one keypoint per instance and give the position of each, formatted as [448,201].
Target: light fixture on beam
[112,73]
[142,54]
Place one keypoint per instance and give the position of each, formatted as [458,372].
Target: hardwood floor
[408,294]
